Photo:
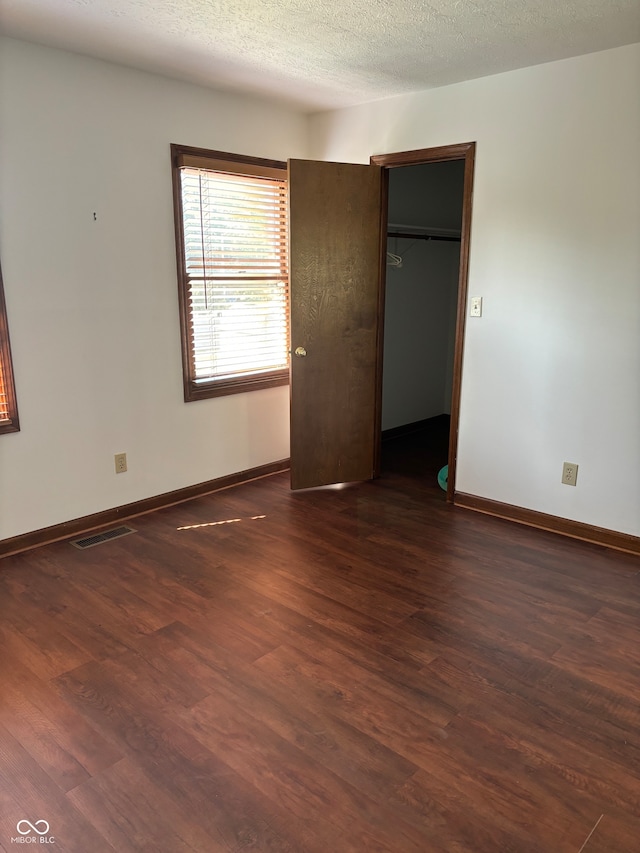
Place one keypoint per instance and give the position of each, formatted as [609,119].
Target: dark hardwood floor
[358,669]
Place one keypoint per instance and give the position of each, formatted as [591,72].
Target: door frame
[463,151]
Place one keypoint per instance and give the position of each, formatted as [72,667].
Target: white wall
[92,306]
[551,369]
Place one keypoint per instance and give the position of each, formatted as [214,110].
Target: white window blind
[4,399]
[235,269]
[8,403]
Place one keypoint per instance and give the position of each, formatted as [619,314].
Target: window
[8,403]
[231,241]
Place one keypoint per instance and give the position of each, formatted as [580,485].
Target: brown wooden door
[335,233]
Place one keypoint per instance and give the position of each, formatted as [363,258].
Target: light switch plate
[476,306]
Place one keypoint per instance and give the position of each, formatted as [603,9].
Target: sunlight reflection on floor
[216,523]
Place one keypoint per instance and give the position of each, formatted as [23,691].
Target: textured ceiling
[333,53]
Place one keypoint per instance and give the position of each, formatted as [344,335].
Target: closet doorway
[427,243]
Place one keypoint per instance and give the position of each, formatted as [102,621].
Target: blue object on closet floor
[443,473]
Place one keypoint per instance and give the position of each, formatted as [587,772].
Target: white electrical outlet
[476,306]
[121,462]
[569,473]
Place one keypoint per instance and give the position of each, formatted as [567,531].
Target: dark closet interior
[423,260]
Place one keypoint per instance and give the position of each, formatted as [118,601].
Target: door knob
[300,352]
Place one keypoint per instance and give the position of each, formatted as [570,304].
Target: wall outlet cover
[569,473]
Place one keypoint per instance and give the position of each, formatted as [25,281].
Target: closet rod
[406,236]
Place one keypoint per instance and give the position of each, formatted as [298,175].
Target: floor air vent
[99,538]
